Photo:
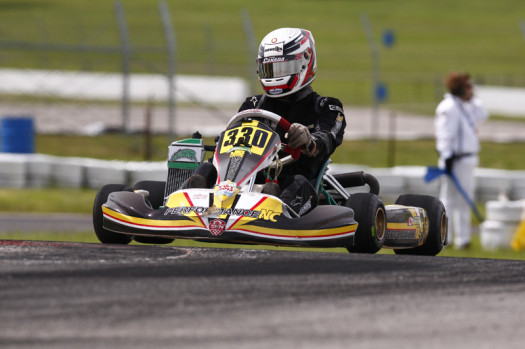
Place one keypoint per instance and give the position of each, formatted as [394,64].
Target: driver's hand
[299,137]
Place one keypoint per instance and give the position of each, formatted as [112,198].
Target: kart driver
[287,63]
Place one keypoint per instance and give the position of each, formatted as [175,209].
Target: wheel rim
[380,224]
[443,227]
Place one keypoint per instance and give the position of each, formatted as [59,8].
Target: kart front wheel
[437,228]
[155,189]
[106,236]
[369,212]
[156,199]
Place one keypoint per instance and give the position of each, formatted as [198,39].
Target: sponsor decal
[217,227]
[414,220]
[265,214]
[235,163]
[248,111]
[305,207]
[199,196]
[274,60]
[296,201]
[185,210]
[402,234]
[269,215]
[240,148]
[254,100]
[275,91]
[338,124]
[323,101]
[273,50]
[336,108]
[311,126]
[185,154]
[182,210]
[226,188]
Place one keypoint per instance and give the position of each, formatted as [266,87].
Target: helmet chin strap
[297,96]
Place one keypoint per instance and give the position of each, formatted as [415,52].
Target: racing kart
[236,208]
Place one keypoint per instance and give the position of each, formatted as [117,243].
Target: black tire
[370,214]
[156,191]
[103,235]
[437,228]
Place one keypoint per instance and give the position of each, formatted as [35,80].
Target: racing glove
[299,136]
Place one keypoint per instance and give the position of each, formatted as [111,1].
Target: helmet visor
[275,67]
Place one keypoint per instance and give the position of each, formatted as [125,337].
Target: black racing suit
[324,117]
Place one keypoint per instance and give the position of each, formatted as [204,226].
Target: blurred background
[101,63]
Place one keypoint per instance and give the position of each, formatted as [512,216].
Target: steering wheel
[275,120]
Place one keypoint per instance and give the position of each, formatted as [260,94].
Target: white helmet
[286,61]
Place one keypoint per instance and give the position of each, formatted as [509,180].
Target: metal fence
[103,55]
[109,47]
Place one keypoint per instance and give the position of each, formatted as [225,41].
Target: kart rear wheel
[369,212]
[156,198]
[103,235]
[437,229]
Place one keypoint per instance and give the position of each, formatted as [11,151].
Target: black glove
[449,164]
[298,136]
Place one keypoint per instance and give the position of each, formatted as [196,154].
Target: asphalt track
[75,295]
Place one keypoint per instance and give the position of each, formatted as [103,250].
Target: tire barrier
[12,171]
[41,170]
[503,219]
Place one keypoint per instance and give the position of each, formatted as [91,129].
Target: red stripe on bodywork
[191,204]
[253,209]
[298,237]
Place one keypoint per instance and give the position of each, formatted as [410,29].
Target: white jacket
[456,126]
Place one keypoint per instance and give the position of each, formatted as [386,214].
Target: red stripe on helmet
[306,37]
[296,77]
[284,87]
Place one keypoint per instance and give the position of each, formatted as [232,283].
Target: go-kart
[237,209]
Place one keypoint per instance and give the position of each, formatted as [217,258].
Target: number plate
[249,136]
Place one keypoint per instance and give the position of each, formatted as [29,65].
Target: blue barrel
[17,135]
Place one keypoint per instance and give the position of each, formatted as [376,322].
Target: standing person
[287,64]
[457,119]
